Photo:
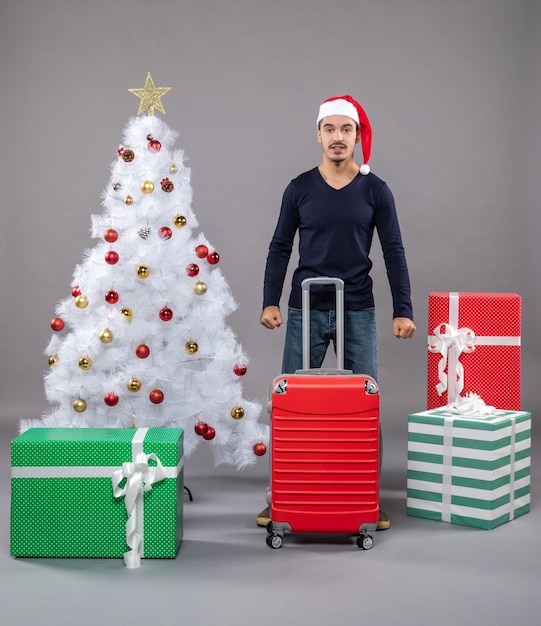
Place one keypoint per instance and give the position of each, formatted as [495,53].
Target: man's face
[338,135]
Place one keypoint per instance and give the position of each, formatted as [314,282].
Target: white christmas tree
[142,341]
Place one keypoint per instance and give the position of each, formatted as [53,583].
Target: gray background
[453,93]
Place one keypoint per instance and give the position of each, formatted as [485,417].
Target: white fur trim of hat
[337,107]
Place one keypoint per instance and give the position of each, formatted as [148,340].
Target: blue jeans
[360,339]
[360,350]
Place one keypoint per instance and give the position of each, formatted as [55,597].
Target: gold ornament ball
[85,362]
[106,336]
[173,169]
[191,347]
[128,200]
[81,302]
[53,360]
[79,405]
[127,313]
[147,186]
[143,271]
[200,288]
[237,412]
[134,384]
[179,221]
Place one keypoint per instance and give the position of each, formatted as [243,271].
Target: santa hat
[346,105]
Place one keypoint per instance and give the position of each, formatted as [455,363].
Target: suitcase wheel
[274,541]
[365,542]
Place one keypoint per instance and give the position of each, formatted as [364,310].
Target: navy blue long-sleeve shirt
[336,227]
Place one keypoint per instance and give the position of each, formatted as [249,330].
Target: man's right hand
[271,317]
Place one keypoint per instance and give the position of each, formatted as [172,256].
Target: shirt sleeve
[393,253]
[280,248]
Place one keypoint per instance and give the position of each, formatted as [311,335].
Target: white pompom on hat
[346,105]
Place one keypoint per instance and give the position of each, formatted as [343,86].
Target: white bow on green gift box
[139,477]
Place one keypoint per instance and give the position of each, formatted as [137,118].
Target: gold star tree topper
[150,96]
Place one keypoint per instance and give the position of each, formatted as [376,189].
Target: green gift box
[473,471]
[97,492]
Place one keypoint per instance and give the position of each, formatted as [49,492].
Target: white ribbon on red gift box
[451,342]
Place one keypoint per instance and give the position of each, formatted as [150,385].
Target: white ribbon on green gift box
[471,406]
[139,476]
[450,341]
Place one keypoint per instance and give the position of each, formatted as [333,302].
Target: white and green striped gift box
[71,489]
[473,471]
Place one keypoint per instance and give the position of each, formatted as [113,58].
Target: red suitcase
[324,461]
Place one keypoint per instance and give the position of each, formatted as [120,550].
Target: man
[335,208]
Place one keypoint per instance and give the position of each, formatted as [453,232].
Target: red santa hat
[346,105]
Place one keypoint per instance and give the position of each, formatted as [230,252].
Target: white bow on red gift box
[447,337]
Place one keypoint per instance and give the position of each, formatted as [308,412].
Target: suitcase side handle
[339,286]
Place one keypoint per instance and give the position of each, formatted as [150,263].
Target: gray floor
[418,572]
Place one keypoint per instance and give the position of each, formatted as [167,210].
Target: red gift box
[474,346]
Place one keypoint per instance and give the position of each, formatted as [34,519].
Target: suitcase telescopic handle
[339,286]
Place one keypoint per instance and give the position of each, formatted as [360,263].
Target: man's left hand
[403,328]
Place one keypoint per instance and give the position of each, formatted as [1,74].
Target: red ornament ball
[76,291]
[57,324]
[111,296]
[213,258]
[192,269]
[111,257]
[165,232]
[201,428]
[210,434]
[110,235]
[240,369]
[156,396]
[154,145]
[166,314]
[110,399]
[260,449]
[142,351]
[201,251]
